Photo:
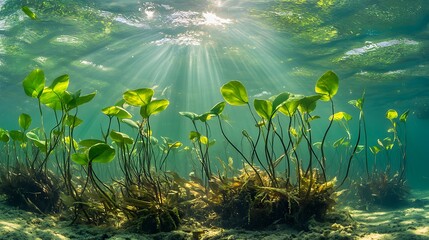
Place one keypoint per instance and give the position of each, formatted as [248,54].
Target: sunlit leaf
[29,13]
[190,115]
[175,144]
[116,111]
[101,153]
[131,123]
[60,84]
[205,117]
[327,85]
[234,93]
[374,149]
[138,97]
[80,158]
[24,121]
[154,107]
[308,104]
[339,116]
[218,108]
[204,140]
[194,135]
[404,116]
[72,121]
[34,83]
[289,107]
[263,108]
[120,137]
[41,144]
[87,143]
[280,100]
[391,114]
[16,135]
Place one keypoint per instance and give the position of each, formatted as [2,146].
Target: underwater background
[186,50]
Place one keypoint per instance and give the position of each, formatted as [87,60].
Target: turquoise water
[186,50]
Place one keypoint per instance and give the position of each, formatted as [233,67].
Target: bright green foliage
[391,114]
[218,108]
[205,117]
[289,107]
[121,138]
[78,100]
[308,104]
[154,107]
[116,111]
[263,108]
[404,116]
[34,83]
[4,137]
[29,13]
[16,135]
[41,144]
[72,121]
[194,135]
[60,84]
[280,100]
[339,116]
[234,93]
[138,97]
[327,85]
[24,121]
[190,115]
[87,143]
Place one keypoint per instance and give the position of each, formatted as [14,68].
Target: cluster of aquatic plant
[385,182]
[286,175]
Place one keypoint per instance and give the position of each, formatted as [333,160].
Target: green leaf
[116,111]
[339,116]
[80,158]
[308,104]
[72,121]
[176,144]
[16,135]
[29,13]
[338,142]
[77,99]
[190,115]
[391,114]
[234,93]
[101,153]
[404,116]
[121,138]
[327,85]
[204,140]
[4,136]
[24,121]
[34,83]
[289,107]
[52,99]
[280,100]
[263,108]
[374,149]
[205,117]
[154,107]
[41,144]
[131,123]
[87,143]
[194,135]
[218,108]
[139,97]
[60,84]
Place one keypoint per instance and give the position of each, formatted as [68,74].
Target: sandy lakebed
[407,223]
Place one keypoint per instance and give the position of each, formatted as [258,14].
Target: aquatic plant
[386,184]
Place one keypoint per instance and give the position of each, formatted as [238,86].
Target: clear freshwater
[186,50]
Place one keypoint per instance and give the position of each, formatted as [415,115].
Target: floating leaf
[116,111]
[327,85]
[218,108]
[139,97]
[34,83]
[391,114]
[29,13]
[24,121]
[234,93]
[263,108]
[101,153]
